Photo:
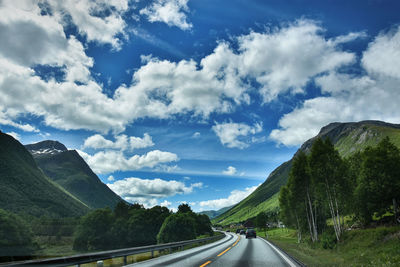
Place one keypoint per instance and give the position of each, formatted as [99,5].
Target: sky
[193,101]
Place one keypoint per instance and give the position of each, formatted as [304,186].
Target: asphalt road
[233,250]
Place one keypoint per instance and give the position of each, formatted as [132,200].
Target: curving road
[232,250]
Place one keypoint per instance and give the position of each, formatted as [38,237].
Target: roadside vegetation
[344,211]
[128,225]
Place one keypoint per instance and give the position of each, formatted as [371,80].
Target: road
[232,250]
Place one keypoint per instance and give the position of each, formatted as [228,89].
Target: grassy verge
[362,247]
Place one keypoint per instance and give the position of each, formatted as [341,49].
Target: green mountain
[348,138]
[68,169]
[214,213]
[26,190]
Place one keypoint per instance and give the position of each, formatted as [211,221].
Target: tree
[378,187]
[184,208]
[328,173]
[177,227]
[94,231]
[261,220]
[203,224]
[16,238]
[301,196]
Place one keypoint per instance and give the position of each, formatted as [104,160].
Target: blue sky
[193,101]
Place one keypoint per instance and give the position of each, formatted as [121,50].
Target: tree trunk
[309,221]
[298,229]
[313,220]
[397,220]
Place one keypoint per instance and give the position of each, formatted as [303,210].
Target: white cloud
[110,178]
[101,29]
[165,203]
[122,142]
[110,161]
[383,53]
[15,135]
[233,134]
[374,96]
[171,12]
[274,61]
[235,197]
[230,171]
[148,191]
[196,135]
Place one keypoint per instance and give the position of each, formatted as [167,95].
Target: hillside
[68,169]
[348,138]
[26,190]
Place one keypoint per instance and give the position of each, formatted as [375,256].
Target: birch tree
[328,174]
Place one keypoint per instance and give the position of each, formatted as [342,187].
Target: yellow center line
[206,263]
[222,253]
[236,242]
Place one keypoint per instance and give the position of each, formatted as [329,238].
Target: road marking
[206,263]
[222,253]
[236,242]
[280,253]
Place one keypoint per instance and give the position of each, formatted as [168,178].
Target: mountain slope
[68,169]
[348,138]
[26,190]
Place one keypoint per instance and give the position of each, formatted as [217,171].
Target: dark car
[238,231]
[242,232]
[251,233]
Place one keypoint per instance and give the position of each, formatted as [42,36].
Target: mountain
[25,189]
[214,213]
[68,169]
[348,138]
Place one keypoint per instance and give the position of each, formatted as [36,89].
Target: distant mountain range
[47,179]
[68,169]
[214,213]
[348,138]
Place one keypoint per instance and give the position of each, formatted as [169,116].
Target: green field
[361,247]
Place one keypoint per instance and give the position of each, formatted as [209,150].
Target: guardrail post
[125,260]
[152,253]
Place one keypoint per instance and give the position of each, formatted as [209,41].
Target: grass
[362,247]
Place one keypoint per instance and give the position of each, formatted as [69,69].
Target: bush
[328,239]
[16,238]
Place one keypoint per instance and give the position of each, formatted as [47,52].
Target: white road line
[280,253]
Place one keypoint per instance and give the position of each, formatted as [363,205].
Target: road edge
[284,254]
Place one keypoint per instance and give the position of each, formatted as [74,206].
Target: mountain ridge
[26,189]
[69,170]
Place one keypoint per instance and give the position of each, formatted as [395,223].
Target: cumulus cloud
[235,197]
[171,12]
[110,178]
[273,62]
[90,18]
[373,96]
[122,142]
[233,135]
[230,171]
[110,161]
[148,191]
[165,203]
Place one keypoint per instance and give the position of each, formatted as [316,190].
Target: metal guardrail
[104,255]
